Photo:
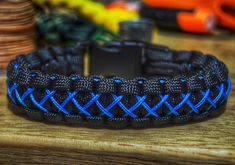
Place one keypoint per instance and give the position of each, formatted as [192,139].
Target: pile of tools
[17,19]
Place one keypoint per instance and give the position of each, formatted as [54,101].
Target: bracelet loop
[175,87]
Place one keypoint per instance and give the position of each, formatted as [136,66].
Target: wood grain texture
[211,142]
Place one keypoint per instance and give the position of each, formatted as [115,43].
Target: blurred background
[190,24]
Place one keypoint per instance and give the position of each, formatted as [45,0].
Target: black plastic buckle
[116,59]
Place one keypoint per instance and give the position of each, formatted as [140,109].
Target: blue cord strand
[15,97]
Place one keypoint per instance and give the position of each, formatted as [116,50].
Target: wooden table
[210,142]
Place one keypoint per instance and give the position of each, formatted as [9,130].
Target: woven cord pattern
[30,96]
[193,85]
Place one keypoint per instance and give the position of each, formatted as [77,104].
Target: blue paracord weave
[214,103]
[200,87]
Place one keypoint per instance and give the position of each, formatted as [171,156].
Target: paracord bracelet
[175,87]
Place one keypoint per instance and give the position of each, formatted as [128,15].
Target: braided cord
[180,85]
[29,95]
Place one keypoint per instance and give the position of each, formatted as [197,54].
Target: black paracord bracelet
[174,86]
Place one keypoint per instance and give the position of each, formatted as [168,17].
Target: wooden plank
[209,142]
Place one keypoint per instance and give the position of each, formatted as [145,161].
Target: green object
[103,35]
[56,28]
[52,37]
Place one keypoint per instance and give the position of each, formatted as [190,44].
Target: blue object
[15,97]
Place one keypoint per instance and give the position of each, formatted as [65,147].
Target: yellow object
[95,12]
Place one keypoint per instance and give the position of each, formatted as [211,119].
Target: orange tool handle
[175,4]
[226,19]
[200,21]
[192,16]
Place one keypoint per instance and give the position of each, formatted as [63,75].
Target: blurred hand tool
[197,16]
